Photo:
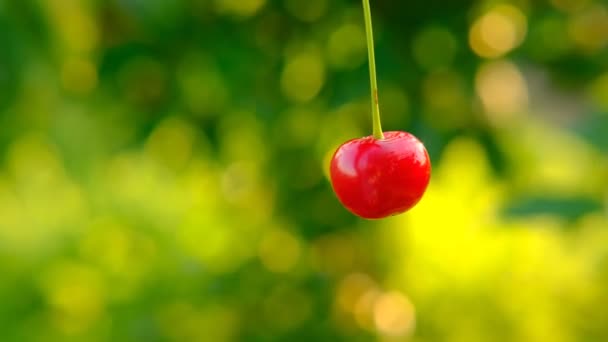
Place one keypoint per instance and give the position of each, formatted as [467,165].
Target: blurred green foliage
[163,173]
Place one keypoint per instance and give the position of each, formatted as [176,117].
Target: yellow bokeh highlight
[11,214]
[182,321]
[239,8]
[279,250]
[570,6]
[76,293]
[79,76]
[350,290]
[503,91]
[346,47]
[180,204]
[588,29]
[559,164]
[394,314]
[139,183]
[364,309]
[171,143]
[471,247]
[243,151]
[219,247]
[299,126]
[240,185]
[241,138]
[303,77]
[498,31]
[239,182]
[73,24]
[598,91]
[41,201]
[120,251]
[32,160]
[445,245]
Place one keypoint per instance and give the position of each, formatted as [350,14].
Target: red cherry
[376,178]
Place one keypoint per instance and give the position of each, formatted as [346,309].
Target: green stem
[372,71]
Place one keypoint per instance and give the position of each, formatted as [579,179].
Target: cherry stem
[372,71]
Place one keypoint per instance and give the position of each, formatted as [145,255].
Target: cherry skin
[376,178]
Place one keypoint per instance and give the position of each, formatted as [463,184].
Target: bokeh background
[164,171]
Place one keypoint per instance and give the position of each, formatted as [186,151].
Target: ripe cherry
[376,178]
[384,174]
